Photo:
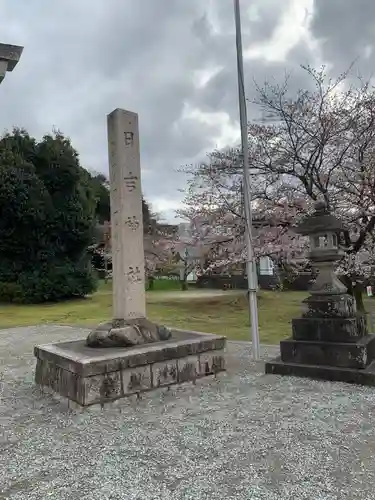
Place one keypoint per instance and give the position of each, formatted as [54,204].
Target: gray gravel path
[245,436]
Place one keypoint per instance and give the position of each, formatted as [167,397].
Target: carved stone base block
[341,354]
[334,329]
[322,372]
[346,361]
[89,376]
[329,306]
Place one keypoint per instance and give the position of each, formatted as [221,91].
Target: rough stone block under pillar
[91,376]
[346,355]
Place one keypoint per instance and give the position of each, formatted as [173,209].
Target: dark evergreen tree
[100,185]
[47,207]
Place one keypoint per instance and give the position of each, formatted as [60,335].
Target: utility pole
[251,263]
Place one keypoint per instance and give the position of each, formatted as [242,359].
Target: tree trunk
[358,295]
[184,284]
[151,283]
[355,290]
[105,269]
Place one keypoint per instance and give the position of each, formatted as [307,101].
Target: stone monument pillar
[330,341]
[129,325]
[129,298]
[144,356]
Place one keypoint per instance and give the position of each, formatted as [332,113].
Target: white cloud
[228,132]
[173,63]
[292,29]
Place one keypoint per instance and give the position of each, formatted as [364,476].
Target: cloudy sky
[171,61]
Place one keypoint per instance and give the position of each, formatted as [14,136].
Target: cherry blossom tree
[159,253]
[158,242]
[320,144]
[192,251]
[214,206]
[317,144]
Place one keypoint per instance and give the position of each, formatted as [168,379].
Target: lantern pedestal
[327,344]
[358,376]
[336,348]
[330,340]
[336,354]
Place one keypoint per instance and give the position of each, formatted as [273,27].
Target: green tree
[47,207]
[100,185]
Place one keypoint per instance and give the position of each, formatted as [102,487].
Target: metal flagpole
[251,263]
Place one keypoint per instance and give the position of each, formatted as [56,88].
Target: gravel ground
[245,436]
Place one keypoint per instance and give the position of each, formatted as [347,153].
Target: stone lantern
[324,230]
[9,57]
[330,340]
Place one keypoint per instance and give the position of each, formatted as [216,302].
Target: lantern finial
[320,206]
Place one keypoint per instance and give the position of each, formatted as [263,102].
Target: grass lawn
[225,315]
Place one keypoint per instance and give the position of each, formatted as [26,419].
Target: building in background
[9,57]
[236,274]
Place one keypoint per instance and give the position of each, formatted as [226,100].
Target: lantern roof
[320,221]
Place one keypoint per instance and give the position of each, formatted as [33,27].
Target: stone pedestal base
[328,347]
[331,373]
[329,329]
[329,306]
[340,354]
[89,376]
